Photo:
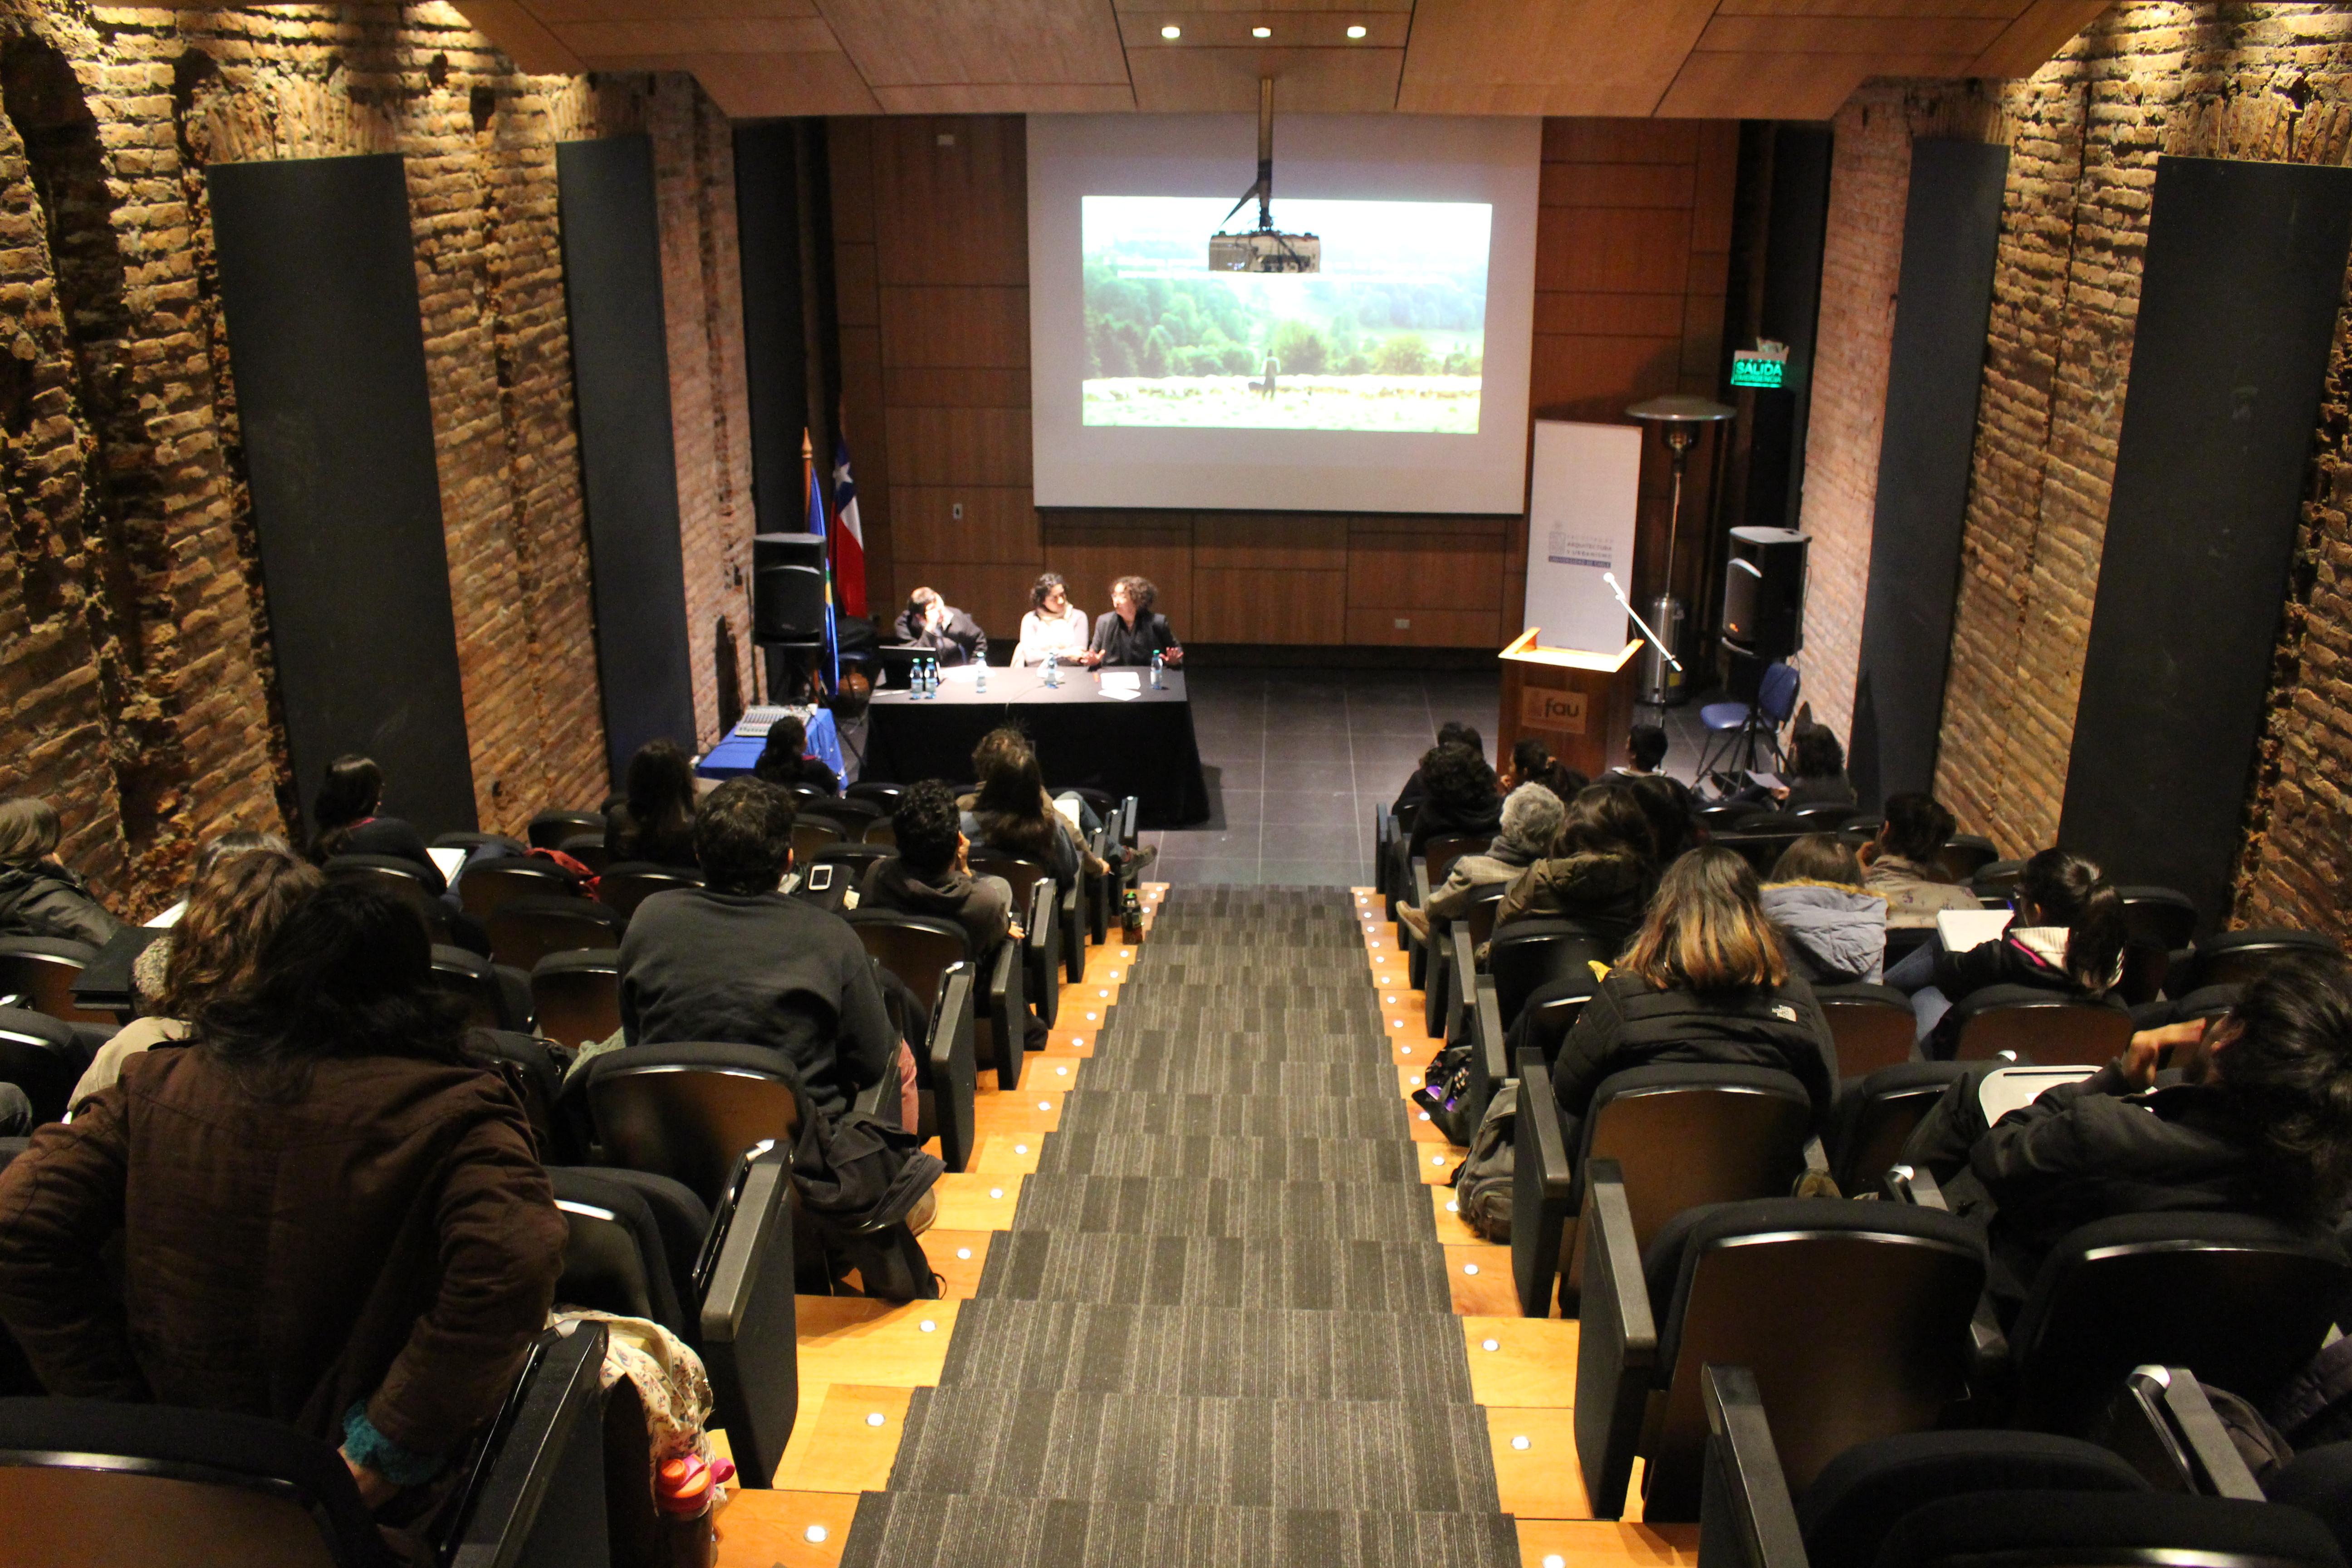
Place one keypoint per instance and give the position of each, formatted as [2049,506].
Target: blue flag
[832,658]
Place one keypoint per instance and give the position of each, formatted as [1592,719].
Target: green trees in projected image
[1154,328]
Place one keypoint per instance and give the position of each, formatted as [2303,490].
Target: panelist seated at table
[1131,632]
[1052,624]
[951,637]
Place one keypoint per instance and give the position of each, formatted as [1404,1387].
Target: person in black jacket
[2067,935]
[38,896]
[344,816]
[1130,631]
[653,821]
[784,759]
[953,636]
[2254,1117]
[1703,982]
[1452,732]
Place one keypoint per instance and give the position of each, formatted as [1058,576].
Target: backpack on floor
[1442,1090]
[1482,1182]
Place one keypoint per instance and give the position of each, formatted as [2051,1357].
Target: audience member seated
[2067,935]
[1600,873]
[2256,1119]
[1816,770]
[1900,862]
[931,872]
[1645,754]
[322,1212]
[1705,980]
[1452,732]
[344,821]
[953,636]
[238,901]
[147,971]
[1130,631]
[1052,624]
[850,702]
[653,820]
[38,896]
[737,962]
[1530,763]
[1664,799]
[784,759]
[1460,795]
[1011,812]
[1532,819]
[1833,930]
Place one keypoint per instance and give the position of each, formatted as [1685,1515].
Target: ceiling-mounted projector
[1263,248]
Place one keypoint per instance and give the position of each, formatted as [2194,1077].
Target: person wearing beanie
[1532,817]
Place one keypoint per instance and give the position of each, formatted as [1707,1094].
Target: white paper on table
[1961,929]
[1123,693]
[1125,681]
[451,861]
[963,672]
[170,917]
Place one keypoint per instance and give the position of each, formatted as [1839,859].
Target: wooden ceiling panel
[1724,86]
[1592,57]
[555,13]
[898,43]
[763,87]
[2045,28]
[611,40]
[1307,81]
[521,35]
[2001,10]
[1232,29]
[1850,35]
[1009,97]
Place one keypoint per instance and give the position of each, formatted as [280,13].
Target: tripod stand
[1757,730]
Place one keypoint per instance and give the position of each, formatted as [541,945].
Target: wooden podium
[1580,704]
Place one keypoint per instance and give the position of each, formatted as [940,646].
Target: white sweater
[1066,635]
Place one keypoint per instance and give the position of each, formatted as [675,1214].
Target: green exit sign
[1752,367]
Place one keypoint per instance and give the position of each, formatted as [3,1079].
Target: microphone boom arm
[1655,640]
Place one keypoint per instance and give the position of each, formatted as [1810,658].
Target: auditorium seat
[588,848]
[468,840]
[1723,816]
[1821,816]
[41,969]
[1530,954]
[628,883]
[1993,883]
[2159,924]
[1048,914]
[107,1485]
[576,996]
[882,830]
[1877,1115]
[490,883]
[1445,991]
[403,879]
[883,797]
[921,949]
[1678,1136]
[1850,1316]
[1962,856]
[1872,1025]
[1428,870]
[535,1074]
[549,829]
[42,1055]
[492,1000]
[647,1246]
[2235,957]
[812,833]
[1760,848]
[525,930]
[2046,1028]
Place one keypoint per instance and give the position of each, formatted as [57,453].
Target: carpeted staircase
[1219,1331]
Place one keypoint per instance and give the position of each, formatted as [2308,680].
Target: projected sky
[1389,337]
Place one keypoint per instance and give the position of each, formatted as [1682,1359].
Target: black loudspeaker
[787,587]
[1764,591]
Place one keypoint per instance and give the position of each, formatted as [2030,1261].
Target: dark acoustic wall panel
[1796,231]
[2238,303]
[620,375]
[775,355]
[319,283]
[1951,231]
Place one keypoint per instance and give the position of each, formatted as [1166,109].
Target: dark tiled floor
[1297,760]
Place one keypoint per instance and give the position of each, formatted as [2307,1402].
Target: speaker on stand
[788,610]
[1763,622]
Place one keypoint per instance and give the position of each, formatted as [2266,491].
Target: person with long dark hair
[1131,630]
[2067,935]
[1704,981]
[1052,624]
[345,820]
[654,819]
[39,896]
[1599,872]
[327,1214]
[784,759]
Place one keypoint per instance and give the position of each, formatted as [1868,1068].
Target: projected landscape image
[1389,336]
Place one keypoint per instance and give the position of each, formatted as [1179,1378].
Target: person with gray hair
[1532,819]
[38,896]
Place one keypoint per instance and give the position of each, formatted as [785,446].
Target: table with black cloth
[1142,746]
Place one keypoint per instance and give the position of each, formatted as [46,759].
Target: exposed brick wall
[135,691]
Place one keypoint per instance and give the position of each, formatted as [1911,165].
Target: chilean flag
[849,544]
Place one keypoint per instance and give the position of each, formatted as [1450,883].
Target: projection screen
[1395,379]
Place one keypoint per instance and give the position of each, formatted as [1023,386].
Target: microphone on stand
[1655,640]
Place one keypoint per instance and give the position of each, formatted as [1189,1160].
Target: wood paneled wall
[930,227]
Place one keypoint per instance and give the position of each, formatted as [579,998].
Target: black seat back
[1851,1317]
[588,848]
[524,931]
[2235,957]
[628,883]
[1441,850]
[1996,880]
[812,833]
[882,830]
[1478,919]
[469,978]
[42,970]
[577,994]
[2047,1028]
[1823,817]
[691,1111]
[1526,954]
[2254,1297]
[1860,1496]
[917,949]
[2105,1529]
[635,1240]
[403,879]
[883,797]
[1544,1023]
[41,1056]
[1022,871]
[1875,1117]
[1963,855]
[487,884]
[549,829]
[1687,1134]
[2158,923]
[1872,1025]
[469,840]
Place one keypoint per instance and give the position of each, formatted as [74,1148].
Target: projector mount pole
[1265,153]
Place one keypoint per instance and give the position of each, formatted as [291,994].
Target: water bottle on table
[1053,669]
[1159,664]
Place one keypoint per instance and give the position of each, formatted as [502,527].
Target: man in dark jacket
[951,637]
[39,897]
[737,960]
[2252,1118]
[931,873]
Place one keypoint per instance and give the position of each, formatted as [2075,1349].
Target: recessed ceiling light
[1260,32]
[1172,31]
[1356,31]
